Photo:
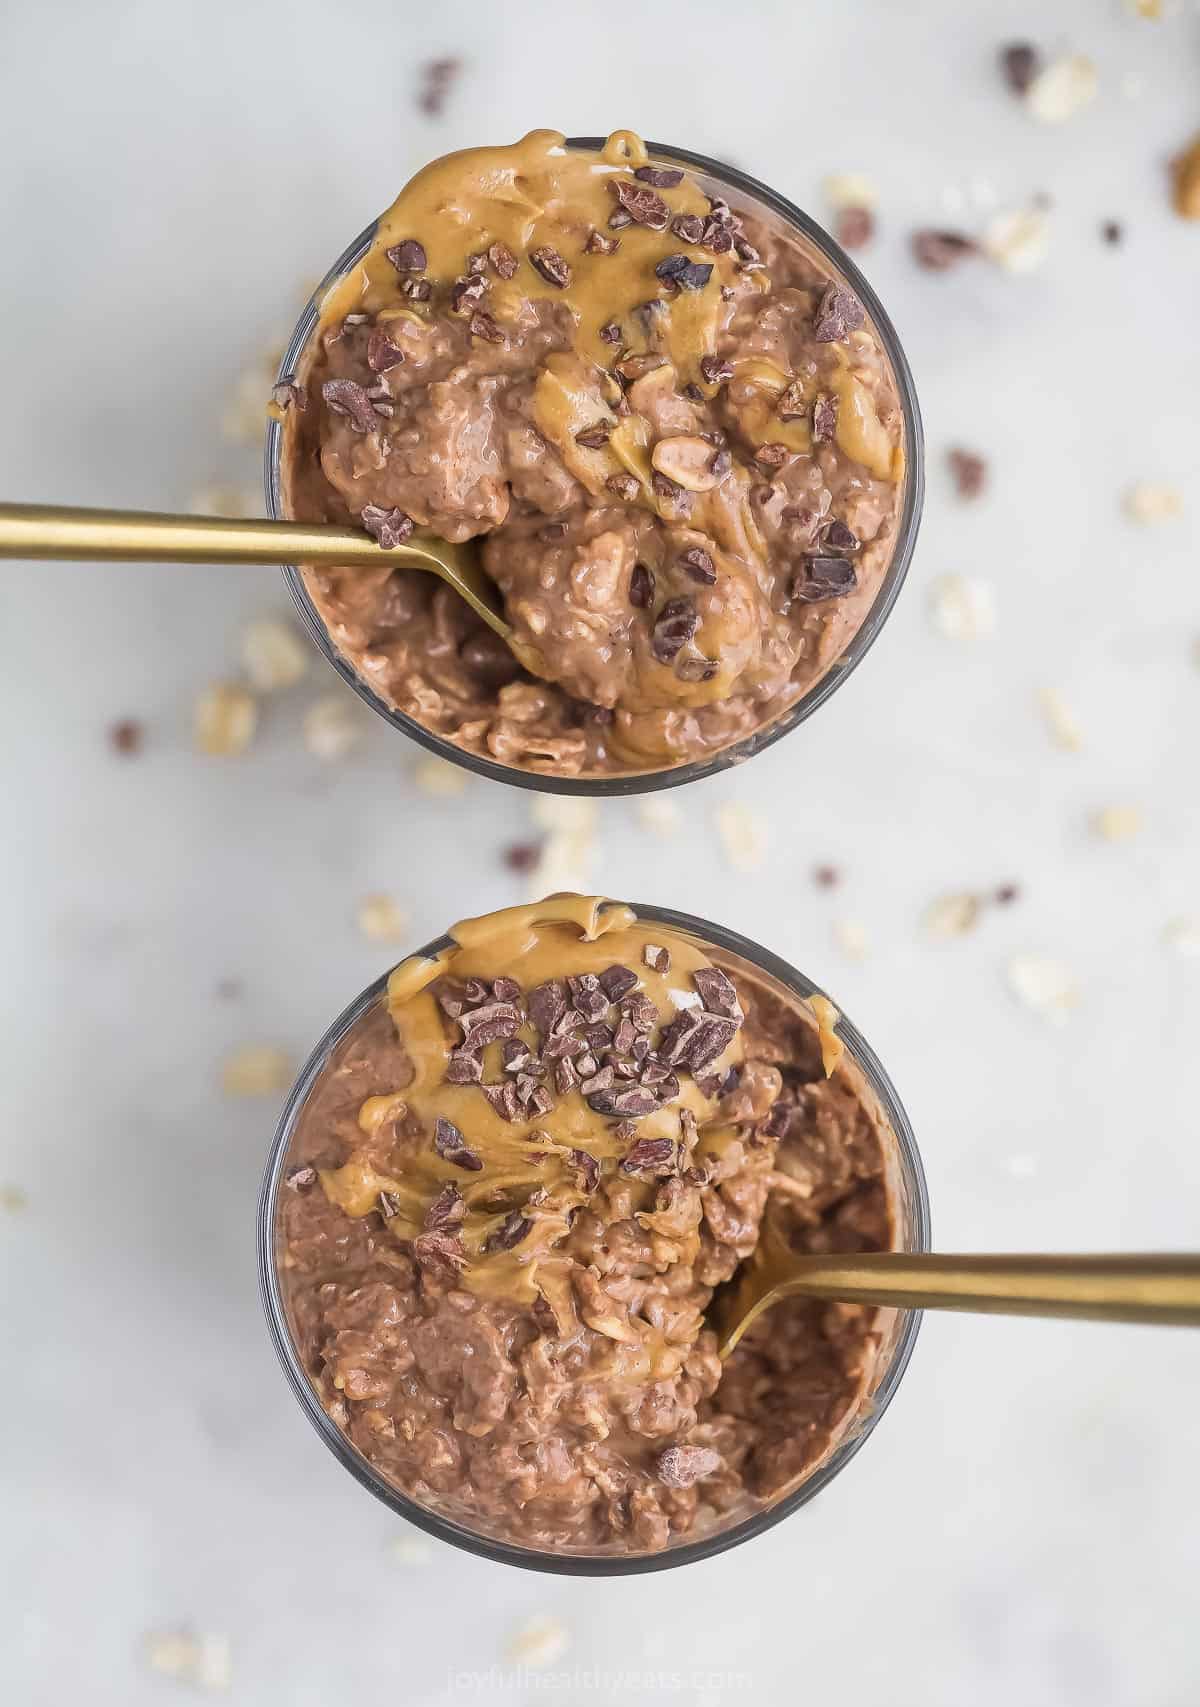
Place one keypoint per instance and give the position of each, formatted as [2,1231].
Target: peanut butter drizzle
[561,936]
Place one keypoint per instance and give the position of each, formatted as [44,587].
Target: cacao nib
[450,1144]
[649,1156]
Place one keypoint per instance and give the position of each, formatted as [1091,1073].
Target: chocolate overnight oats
[674,434]
[506,1203]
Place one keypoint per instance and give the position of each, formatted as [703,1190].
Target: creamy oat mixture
[674,435]
[508,1202]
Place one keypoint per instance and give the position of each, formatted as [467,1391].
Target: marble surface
[1022,1527]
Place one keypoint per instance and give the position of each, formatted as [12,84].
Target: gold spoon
[1164,1289]
[136,536]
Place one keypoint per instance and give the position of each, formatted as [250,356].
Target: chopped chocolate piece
[790,404]
[649,1155]
[522,856]
[599,1037]
[619,220]
[855,227]
[126,736]
[481,325]
[717,991]
[465,292]
[610,332]
[600,1080]
[438,78]
[715,369]
[836,536]
[382,354]
[624,1036]
[463,1068]
[595,437]
[746,253]
[539,1101]
[563,1044]
[599,244]
[824,578]
[439,1253]
[772,456]
[938,250]
[657,958]
[515,1055]
[677,1036]
[711,1038]
[301,1179]
[779,1118]
[969,472]
[504,262]
[681,1466]
[626,486]
[588,996]
[1019,62]
[636,367]
[546,1004]
[565,1076]
[417,290]
[688,226]
[686,274]
[1112,232]
[629,1101]
[696,669]
[840,313]
[721,463]
[718,238]
[446,1210]
[389,1205]
[588,1166]
[503,1098]
[641,586]
[286,394]
[408,256]
[623,1068]
[696,563]
[476,990]
[827,877]
[450,996]
[505,989]
[510,1232]
[451,1146]
[693,393]
[617,981]
[674,626]
[389,527]
[551,265]
[586,1064]
[477,263]
[640,1011]
[489,1023]
[347,397]
[1007,894]
[654,1073]
[824,419]
[638,202]
[662,177]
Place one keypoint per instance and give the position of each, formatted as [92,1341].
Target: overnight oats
[686,454]
[501,1202]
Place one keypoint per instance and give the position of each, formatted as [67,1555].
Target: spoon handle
[1155,1288]
[136,536]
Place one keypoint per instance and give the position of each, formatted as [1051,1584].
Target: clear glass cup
[746,191]
[898,1329]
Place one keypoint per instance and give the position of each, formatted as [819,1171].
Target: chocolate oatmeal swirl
[673,430]
[509,1198]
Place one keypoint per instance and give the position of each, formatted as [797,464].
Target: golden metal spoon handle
[135,536]
[1155,1288]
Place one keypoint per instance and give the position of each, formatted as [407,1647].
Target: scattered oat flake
[661,817]
[1063,88]
[274,655]
[439,776]
[1061,723]
[12,1199]
[203,1660]
[380,919]
[1044,985]
[743,834]
[538,1643]
[333,727]
[256,1070]
[851,938]
[1117,823]
[1019,240]
[224,720]
[849,189]
[569,813]
[951,915]
[1183,935]
[411,1550]
[1151,502]
[832,1047]
[963,608]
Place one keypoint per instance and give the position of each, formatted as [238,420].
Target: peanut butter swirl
[550,1045]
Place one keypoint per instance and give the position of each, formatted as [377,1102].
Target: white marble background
[1023,1527]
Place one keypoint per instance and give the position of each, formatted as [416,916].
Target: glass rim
[675,776]
[530,1558]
